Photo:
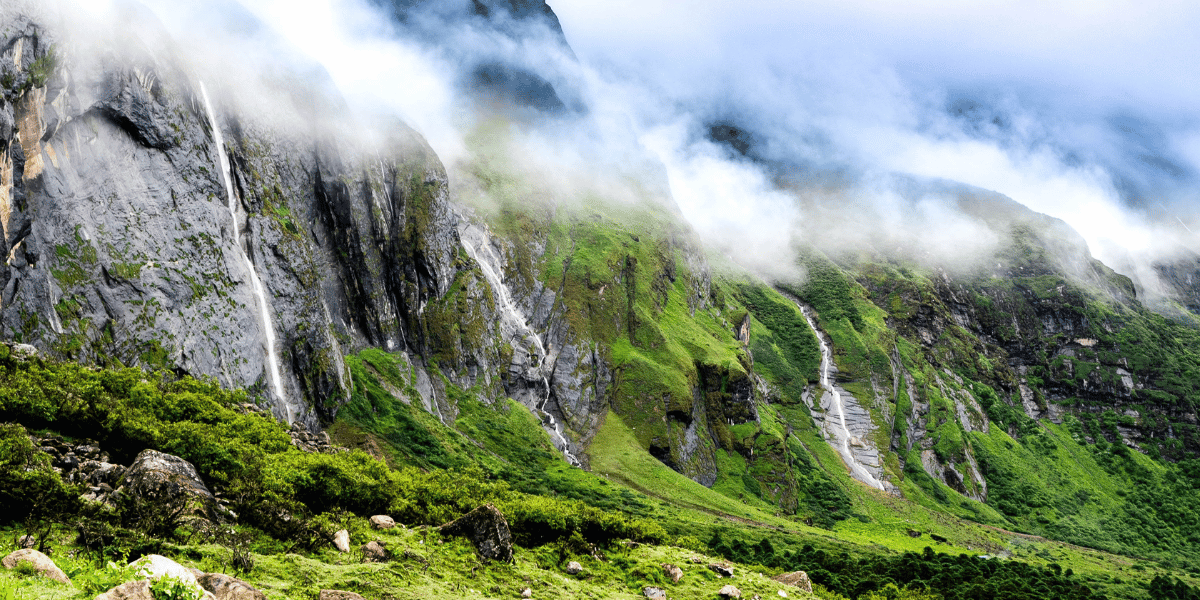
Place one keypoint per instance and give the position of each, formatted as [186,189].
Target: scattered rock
[132,590]
[730,592]
[655,593]
[696,560]
[672,571]
[41,563]
[338,595]
[782,594]
[914,533]
[24,351]
[487,529]
[169,480]
[574,568]
[526,593]
[310,442]
[797,579]
[224,587]
[722,570]
[374,551]
[341,541]
[382,522]
[27,541]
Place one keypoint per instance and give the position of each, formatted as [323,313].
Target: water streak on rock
[255,283]
[841,433]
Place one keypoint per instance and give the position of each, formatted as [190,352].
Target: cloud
[1085,111]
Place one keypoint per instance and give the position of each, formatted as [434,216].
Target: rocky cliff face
[124,245]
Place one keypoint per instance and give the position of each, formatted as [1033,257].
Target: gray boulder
[130,590]
[40,562]
[170,482]
[341,541]
[224,587]
[382,522]
[374,551]
[797,579]
[487,529]
[730,592]
[338,595]
[654,593]
[574,568]
[722,570]
[674,572]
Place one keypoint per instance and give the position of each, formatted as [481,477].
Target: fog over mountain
[1084,112]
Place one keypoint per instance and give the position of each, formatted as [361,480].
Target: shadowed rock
[170,481]
[487,529]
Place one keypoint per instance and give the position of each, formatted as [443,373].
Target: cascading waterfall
[255,283]
[842,433]
[478,246]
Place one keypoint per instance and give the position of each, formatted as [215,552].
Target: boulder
[526,593]
[169,481]
[41,564]
[672,571]
[132,590]
[722,570]
[27,541]
[574,568]
[730,592]
[374,551]
[338,595]
[795,578]
[341,541]
[382,522]
[224,587]
[154,566]
[655,593]
[782,594]
[487,529]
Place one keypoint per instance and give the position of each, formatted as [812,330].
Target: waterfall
[477,243]
[841,433]
[255,283]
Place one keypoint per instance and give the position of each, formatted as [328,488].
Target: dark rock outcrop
[170,482]
[487,529]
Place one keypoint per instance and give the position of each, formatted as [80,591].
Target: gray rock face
[121,243]
[487,529]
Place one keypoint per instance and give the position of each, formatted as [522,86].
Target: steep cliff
[134,237]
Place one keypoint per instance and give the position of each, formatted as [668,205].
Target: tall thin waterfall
[840,432]
[256,285]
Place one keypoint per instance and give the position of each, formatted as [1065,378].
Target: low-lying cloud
[1084,111]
